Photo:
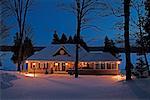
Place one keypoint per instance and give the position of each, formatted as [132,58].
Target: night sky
[45,16]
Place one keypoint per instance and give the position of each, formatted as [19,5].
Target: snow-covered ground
[66,87]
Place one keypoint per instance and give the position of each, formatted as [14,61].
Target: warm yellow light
[56,64]
[66,64]
[34,64]
[30,75]
[27,61]
[119,77]
[85,63]
[118,62]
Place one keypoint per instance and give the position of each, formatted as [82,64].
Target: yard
[16,86]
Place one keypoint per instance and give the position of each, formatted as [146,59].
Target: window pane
[97,66]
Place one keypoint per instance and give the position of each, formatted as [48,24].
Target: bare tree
[4,29]
[83,10]
[142,42]
[19,9]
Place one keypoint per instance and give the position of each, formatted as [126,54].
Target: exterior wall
[106,67]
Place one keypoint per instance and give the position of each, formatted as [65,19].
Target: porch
[62,67]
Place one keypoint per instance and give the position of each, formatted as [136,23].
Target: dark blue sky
[45,16]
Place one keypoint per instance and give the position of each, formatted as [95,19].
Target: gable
[61,51]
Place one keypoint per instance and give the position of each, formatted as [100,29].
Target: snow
[66,87]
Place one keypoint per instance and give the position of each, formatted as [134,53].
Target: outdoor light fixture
[118,62]
[34,64]
[119,77]
[27,61]
[66,64]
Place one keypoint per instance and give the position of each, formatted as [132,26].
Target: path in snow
[65,87]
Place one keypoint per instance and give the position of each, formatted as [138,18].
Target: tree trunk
[77,49]
[22,66]
[146,61]
[18,67]
[78,36]
[77,60]
[126,36]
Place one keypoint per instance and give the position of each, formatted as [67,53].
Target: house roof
[49,52]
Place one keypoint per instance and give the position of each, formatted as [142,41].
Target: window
[97,66]
[85,64]
[113,66]
[57,68]
[108,65]
[102,65]
[33,65]
[62,52]
[26,66]
[56,64]
[47,65]
[91,65]
[39,66]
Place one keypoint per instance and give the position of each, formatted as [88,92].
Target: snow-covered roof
[49,52]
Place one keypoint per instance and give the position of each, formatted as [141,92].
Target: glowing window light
[27,61]
[56,64]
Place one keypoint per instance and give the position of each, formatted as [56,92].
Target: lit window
[56,64]
[33,65]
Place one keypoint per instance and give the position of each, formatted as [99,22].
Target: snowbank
[66,87]
[5,79]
